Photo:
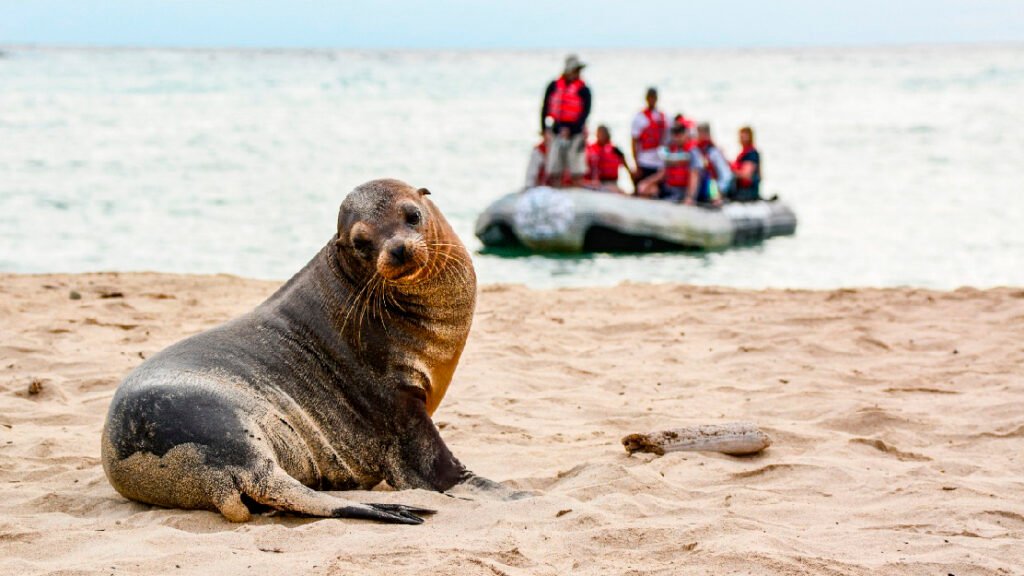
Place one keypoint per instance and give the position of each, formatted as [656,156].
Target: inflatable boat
[568,220]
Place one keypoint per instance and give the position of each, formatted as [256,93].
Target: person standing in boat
[563,115]
[603,162]
[650,132]
[747,169]
[716,176]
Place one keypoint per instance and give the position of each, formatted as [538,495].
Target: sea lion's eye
[362,246]
[412,217]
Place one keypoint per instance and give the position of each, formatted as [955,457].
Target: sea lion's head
[389,228]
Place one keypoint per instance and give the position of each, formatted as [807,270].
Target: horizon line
[509,48]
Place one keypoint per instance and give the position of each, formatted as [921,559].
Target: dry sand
[897,416]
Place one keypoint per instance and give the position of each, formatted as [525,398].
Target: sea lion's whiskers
[446,246]
[375,303]
[382,290]
[362,301]
[435,262]
[367,309]
[352,302]
[391,295]
[432,266]
[457,258]
[382,305]
[459,268]
[461,265]
[444,270]
[371,300]
[431,253]
[446,252]
[449,254]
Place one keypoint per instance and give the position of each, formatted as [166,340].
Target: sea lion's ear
[424,192]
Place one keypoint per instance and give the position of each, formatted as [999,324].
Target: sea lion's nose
[398,253]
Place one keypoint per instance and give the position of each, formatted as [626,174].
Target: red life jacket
[566,105]
[677,174]
[603,161]
[740,158]
[653,133]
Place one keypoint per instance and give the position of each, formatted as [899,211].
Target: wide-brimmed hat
[573,63]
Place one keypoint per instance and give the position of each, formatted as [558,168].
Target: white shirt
[722,167]
[648,158]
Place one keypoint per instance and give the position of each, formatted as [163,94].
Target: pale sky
[508,23]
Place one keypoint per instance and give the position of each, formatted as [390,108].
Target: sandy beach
[897,417]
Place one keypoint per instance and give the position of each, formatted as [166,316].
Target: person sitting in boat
[563,116]
[603,162]
[679,180]
[680,120]
[747,170]
[536,175]
[716,176]
[650,132]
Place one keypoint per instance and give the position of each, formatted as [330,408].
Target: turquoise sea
[905,165]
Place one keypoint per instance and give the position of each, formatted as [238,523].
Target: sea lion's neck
[313,298]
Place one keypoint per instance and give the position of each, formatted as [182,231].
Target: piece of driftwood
[736,439]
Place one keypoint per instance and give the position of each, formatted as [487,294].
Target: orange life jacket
[653,133]
[603,161]
[677,174]
[566,105]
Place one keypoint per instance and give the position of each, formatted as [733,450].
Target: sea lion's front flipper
[419,457]
[422,460]
[473,485]
[283,492]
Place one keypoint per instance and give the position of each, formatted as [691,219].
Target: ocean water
[905,165]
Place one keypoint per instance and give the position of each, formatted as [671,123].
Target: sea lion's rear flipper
[283,492]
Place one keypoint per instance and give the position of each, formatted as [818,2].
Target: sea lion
[328,385]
